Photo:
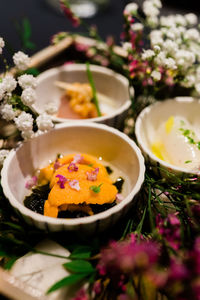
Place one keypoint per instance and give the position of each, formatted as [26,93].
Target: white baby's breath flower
[197,87]
[24,122]
[170,47]
[130,122]
[180,20]
[148,54]
[184,58]
[152,21]
[156,37]
[191,19]
[7,112]
[27,80]
[189,81]
[2,91]
[2,44]
[9,83]
[157,3]
[156,49]
[156,75]
[127,46]
[21,60]
[167,21]
[150,9]
[170,63]
[131,8]
[192,34]
[3,154]
[137,27]
[160,59]
[51,108]
[44,122]
[28,96]
[28,134]
[170,35]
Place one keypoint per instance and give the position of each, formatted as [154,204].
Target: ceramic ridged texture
[107,82]
[95,139]
[152,116]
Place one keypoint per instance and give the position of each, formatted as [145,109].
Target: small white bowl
[95,139]
[107,82]
[152,116]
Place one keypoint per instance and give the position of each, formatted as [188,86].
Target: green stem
[94,92]
[49,254]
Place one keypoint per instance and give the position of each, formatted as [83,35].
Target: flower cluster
[168,56]
[17,96]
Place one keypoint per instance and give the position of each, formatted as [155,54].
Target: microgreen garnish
[189,134]
[188,161]
[96,188]
[94,92]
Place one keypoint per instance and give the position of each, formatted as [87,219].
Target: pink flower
[78,159]
[31,182]
[119,198]
[81,295]
[72,167]
[97,287]
[69,14]
[61,181]
[57,165]
[74,184]
[92,176]
[169,228]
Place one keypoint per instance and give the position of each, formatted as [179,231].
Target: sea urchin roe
[72,185]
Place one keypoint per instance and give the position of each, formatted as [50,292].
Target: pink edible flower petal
[61,181]
[92,176]
[119,198]
[31,182]
[74,184]
[72,167]
[57,165]
[78,159]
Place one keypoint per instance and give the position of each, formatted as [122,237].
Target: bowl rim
[83,220]
[138,124]
[82,67]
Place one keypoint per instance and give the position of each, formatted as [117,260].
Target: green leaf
[96,188]
[8,265]
[79,266]
[69,280]
[81,252]
[94,92]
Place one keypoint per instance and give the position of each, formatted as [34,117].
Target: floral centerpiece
[156,255]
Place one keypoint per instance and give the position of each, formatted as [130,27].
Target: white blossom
[27,80]
[167,21]
[189,81]
[192,34]
[180,20]
[3,154]
[7,112]
[156,75]
[21,60]
[170,47]
[160,59]
[156,49]
[28,134]
[127,46]
[44,122]
[150,9]
[157,3]
[24,122]
[197,87]
[9,83]
[2,44]
[137,27]
[191,19]
[51,108]
[2,91]
[148,54]
[184,58]
[130,122]
[152,21]
[131,8]
[156,37]
[28,96]
[170,63]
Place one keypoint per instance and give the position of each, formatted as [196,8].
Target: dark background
[46,21]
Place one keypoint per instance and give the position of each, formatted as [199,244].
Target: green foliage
[24,31]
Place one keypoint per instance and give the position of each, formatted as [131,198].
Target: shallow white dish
[107,82]
[152,116]
[95,139]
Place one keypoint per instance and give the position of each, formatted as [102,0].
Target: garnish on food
[79,185]
[177,142]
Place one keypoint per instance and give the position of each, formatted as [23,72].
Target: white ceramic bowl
[152,116]
[95,139]
[107,82]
